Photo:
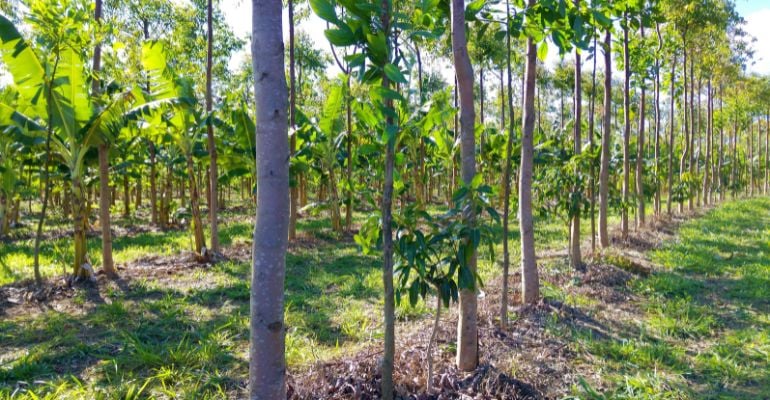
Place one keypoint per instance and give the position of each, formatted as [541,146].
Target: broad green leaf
[542,51]
[332,110]
[155,63]
[602,19]
[473,8]
[340,37]
[378,48]
[23,64]
[325,10]
[394,74]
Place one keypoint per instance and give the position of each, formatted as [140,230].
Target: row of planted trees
[670,132]
[391,135]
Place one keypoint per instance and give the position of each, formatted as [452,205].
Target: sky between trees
[756,12]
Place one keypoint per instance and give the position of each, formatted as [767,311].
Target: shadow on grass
[115,345]
[705,334]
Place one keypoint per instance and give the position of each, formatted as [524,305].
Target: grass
[703,331]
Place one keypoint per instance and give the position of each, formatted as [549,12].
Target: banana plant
[54,103]
[321,145]
[239,156]
[182,125]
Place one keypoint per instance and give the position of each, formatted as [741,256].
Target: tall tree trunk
[152,150]
[592,179]
[529,275]
[294,195]
[697,144]
[640,154]
[467,329]
[767,152]
[575,256]
[685,126]
[734,160]
[672,96]
[657,205]
[626,129]
[690,202]
[45,180]
[507,178]
[389,337]
[349,166]
[707,169]
[267,361]
[213,169]
[721,158]
[103,150]
[604,171]
[750,156]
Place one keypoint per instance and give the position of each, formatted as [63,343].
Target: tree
[294,192]
[626,126]
[267,361]
[104,184]
[180,127]
[529,275]
[213,171]
[575,257]
[604,169]
[507,172]
[467,329]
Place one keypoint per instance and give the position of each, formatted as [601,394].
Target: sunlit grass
[189,339]
[705,331]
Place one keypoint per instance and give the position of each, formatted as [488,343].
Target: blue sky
[745,7]
[757,15]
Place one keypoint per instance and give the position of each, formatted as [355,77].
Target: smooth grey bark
[767,152]
[604,170]
[721,157]
[685,127]
[467,328]
[507,179]
[267,361]
[592,180]
[294,190]
[530,280]
[640,153]
[672,96]
[104,165]
[575,257]
[691,200]
[626,129]
[213,169]
[389,313]
[707,169]
[656,206]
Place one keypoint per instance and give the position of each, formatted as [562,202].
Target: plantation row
[649,107]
